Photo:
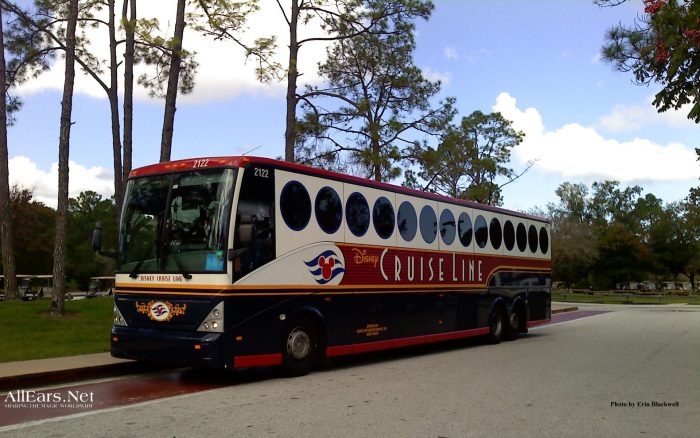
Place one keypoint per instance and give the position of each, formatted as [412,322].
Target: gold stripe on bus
[273,294]
[495,270]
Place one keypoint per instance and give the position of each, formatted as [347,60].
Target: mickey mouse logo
[325,267]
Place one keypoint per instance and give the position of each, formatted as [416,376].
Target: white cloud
[223,71]
[576,151]
[625,118]
[432,75]
[450,53]
[26,174]
[478,56]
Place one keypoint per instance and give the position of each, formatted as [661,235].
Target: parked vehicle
[648,286]
[666,285]
[100,287]
[629,285]
[684,286]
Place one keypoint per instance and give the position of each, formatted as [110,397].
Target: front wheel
[301,348]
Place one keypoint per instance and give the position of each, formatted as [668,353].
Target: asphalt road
[595,376]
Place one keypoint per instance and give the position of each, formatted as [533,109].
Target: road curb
[564,309]
[11,383]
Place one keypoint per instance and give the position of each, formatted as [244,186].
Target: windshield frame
[160,251]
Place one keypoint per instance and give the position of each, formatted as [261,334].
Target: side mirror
[97,243]
[97,238]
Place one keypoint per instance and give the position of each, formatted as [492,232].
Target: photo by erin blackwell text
[645,404]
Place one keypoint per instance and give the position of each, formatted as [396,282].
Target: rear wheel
[514,323]
[301,348]
[497,326]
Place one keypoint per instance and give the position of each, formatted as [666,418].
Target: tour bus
[240,261]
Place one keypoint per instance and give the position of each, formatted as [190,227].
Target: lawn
[622,298]
[29,331]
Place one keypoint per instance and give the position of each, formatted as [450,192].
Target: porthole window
[544,240]
[465,229]
[521,237]
[329,210]
[532,238]
[295,205]
[448,228]
[508,235]
[496,233]
[481,231]
[357,214]
[383,217]
[428,224]
[407,221]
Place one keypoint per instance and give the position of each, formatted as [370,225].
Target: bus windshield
[176,223]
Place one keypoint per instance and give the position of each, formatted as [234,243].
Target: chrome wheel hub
[298,344]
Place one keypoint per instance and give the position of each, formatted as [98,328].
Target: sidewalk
[28,373]
[22,374]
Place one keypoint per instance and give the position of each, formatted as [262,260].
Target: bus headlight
[118,318]
[214,322]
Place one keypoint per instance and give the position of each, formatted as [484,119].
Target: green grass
[29,331]
[620,298]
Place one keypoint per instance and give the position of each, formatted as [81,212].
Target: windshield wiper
[135,272]
[182,269]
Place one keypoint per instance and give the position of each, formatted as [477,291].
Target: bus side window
[254,237]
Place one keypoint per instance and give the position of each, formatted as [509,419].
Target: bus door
[254,236]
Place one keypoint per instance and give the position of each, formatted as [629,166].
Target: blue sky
[535,61]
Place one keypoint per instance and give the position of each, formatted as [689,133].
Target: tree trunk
[290,133]
[128,89]
[59,253]
[114,109]
[166,142]
[6,239]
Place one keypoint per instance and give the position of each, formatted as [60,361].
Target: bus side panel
[357,322]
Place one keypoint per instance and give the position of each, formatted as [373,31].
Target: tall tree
[142,44]
[338,20]
[166,142]
[6,233]
[662,46]
[113,96]
[376,101]
[129,19]
[59,254]
[472,159]
[48,27]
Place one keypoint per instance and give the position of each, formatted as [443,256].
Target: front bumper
[176,347]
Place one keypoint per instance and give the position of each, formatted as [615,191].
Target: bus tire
[514,324]
[497,326]
[300,348]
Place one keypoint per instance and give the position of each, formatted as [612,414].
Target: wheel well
[314,316]
[520,307]
[499,304]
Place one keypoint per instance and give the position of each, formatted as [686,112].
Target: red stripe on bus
[257,360]
[342,350]
[536,323]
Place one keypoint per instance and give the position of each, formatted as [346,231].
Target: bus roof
[245,161]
